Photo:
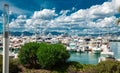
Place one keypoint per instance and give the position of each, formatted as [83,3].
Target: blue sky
[79,16]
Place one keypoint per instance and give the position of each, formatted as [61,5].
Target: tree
[50,55]
[27,54]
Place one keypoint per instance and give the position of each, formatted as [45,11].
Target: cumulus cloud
[95,16]
[94,19]
[22,17]
[18,23]
[101,11]
[106,22]
[41,19]
[64,12]
[44,14]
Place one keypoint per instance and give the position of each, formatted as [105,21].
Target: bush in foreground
[13,66]
[108,67]
[34,55]
[27,55]
[74,67]
[50,55]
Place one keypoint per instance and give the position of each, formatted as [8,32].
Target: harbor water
[90,58]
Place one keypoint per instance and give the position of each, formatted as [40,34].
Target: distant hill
[21,33]
[26,33]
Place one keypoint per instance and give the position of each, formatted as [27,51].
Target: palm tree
[118,21]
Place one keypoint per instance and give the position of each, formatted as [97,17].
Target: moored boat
[106,56]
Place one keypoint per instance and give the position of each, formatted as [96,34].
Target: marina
[90,58]
[60,36]
[86,50]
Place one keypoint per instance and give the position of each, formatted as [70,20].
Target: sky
[72,16]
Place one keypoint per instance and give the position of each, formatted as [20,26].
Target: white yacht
[95,46]
[96,50]
[80,49]
[80,46]
[72,46]
[106,56]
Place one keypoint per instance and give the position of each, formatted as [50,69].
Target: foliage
[27,55]
[68,67]
[74,67]
[50,55]
[88,68]
[13,66]
[54,57]
[46,55]
[108,67]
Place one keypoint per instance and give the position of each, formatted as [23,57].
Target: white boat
[96,46]
[11,54]
[54,41]
[96,50]
[106,56]
[72,46]
[80,48]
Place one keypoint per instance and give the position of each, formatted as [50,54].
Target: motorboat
[106,56]
[96,50]
[80,49]
[72,46]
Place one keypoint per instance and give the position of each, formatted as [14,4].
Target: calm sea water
[90,58]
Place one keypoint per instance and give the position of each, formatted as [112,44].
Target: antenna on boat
[99,32]
[6,39]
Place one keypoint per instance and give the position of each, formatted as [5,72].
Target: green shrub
[13,66]
[27,55]
[50,55]
[77,65]
[108,67]
[74,67]
[88,68]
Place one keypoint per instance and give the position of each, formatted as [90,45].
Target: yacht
[80,49]
[72,46]
[96,50]
[106,56]
[80,46]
